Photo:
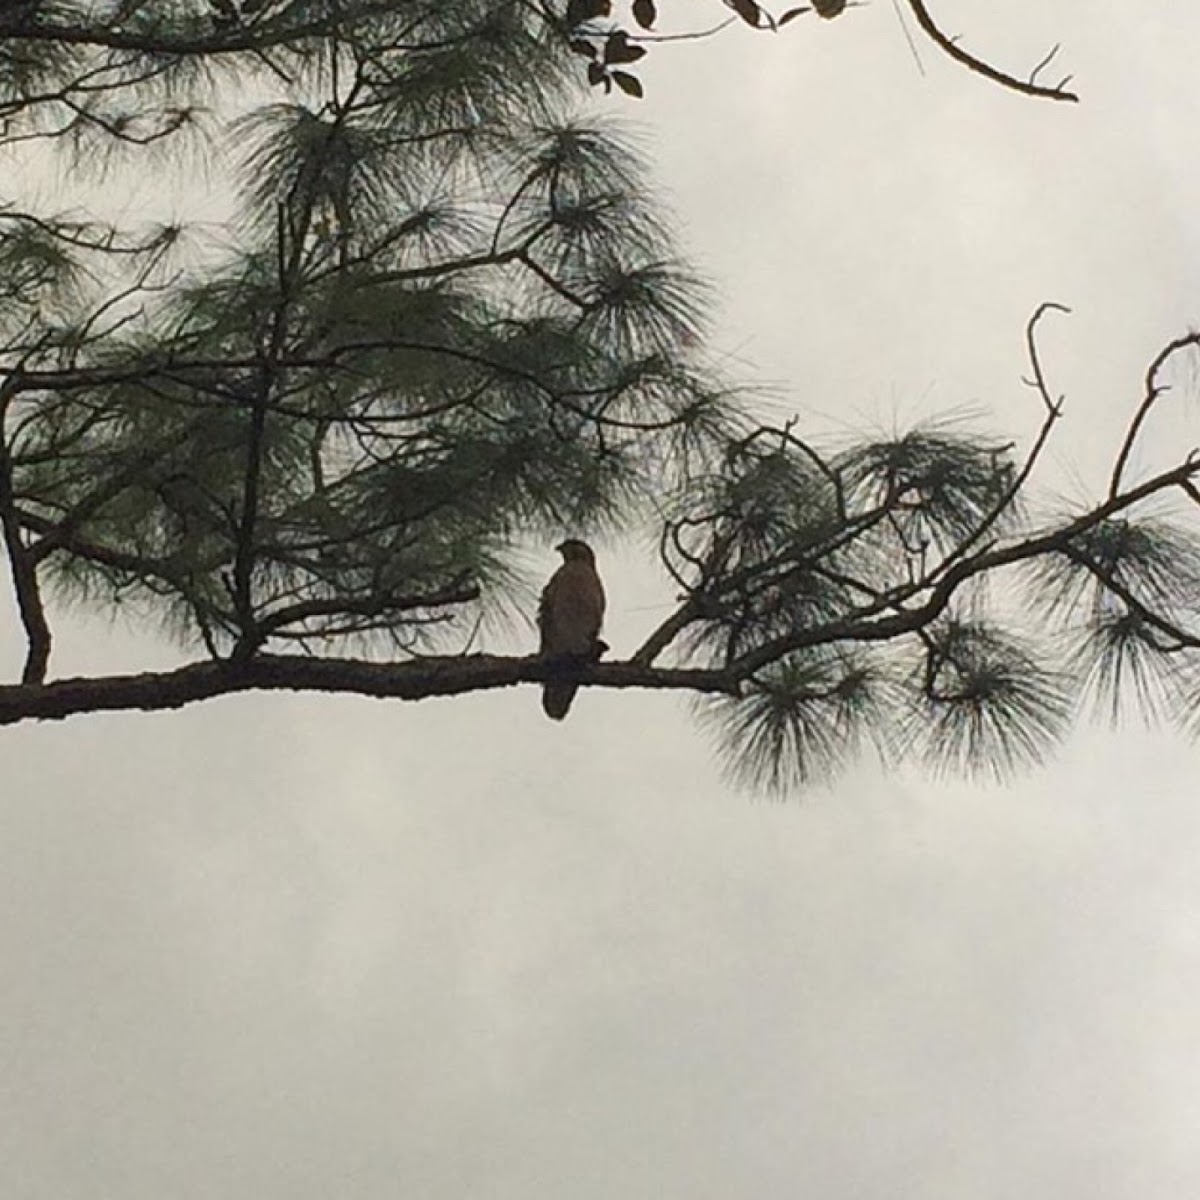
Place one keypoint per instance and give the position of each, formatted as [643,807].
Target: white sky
[301,947]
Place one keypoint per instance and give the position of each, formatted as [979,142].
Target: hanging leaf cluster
[610,45]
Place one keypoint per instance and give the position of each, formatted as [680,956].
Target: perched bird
[569,617]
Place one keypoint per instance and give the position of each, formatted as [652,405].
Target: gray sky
[299,948]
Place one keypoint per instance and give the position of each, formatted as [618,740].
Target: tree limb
[23,567]
[950,46]
[415,680]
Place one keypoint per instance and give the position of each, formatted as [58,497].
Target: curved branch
[950,46]
[1153,391]
[22,566]
[1053,406]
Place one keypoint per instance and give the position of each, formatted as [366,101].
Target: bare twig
[1053,406]
[1153,391]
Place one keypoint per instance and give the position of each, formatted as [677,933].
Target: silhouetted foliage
[612,36]
[445,320]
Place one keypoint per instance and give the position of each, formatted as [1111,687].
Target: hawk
[569,618]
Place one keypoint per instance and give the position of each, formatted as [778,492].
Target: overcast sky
[292,948]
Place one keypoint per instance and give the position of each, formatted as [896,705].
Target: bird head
[573,550]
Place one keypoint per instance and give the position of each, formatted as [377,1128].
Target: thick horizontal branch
[457,674]
[415,680]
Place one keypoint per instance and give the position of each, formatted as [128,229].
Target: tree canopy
[447,320]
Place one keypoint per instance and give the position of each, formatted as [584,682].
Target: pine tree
[444,320]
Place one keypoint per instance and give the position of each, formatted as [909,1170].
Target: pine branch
[417,680]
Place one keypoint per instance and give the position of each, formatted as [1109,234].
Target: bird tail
[556,699]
